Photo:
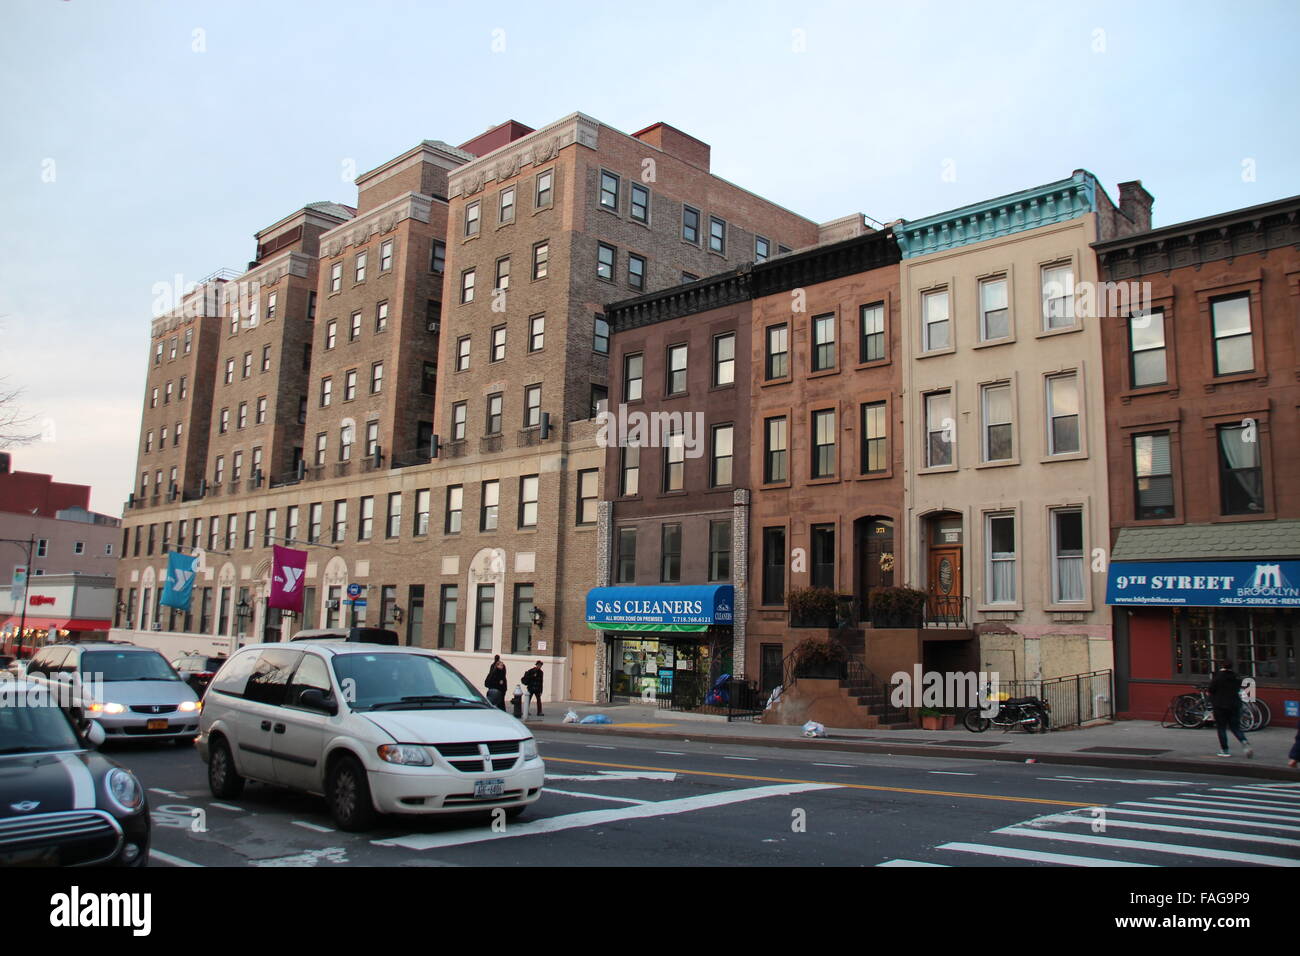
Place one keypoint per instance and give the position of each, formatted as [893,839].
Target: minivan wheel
[223,781]
[348,792]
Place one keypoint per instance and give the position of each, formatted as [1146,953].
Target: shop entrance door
[582,674]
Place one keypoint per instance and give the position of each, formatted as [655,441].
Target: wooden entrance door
[582,676]
[944,583]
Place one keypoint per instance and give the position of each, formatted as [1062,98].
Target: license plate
[157,724]
[489,788]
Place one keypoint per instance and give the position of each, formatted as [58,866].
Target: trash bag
[595,719]
[813,729]
[570,717]
[775,697]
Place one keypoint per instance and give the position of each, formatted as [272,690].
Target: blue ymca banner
[1205,583]
[180,580]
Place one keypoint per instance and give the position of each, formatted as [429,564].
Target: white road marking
[953,773]
[599,747]
[226,806]
[312,826]
[1241,804]
[906,862]
[1148,783]
[591,818]
[836,765]
[1194,819]
[1014,853]
[671,753]
[83,782]
[594,796]
[1212,853]
[169,859]
[1166,828]
[168,793]
[729,757]
[1288,799]
[615,775]
[1211,809]
[333,854]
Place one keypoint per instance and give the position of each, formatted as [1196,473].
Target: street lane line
[599,747]
[1148,783]
[1215,809]
[1285,799]
[671,753]
[226,806]
[1190,819]
[312,826]
[1167,828]
[911,863]
[594,796]
[593,818]
[823,783]
[1036,856]
[168,793]
[729,757]
[1211,853]
[953,773]
[606,775]
[1241,804]
[169,859]
[849,765]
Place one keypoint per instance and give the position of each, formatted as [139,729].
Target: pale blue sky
[166,159]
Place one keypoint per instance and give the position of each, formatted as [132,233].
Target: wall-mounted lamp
[537,617]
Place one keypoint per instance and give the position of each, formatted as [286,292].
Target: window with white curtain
[1067,556]
[1000,538]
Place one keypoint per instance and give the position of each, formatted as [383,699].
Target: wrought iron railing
[1073,699]
[947,610]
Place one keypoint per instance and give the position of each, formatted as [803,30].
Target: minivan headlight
[189,706]
[529,748]
[409,755]
[102,707]
[124,790]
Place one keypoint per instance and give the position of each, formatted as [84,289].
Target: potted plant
[812,607]
[818,657]
[931,719]
[897,607]
[948,721]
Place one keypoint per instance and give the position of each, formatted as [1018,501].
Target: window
[498,348]
[448,601]
[1063,414]
[148,442]
[376,378]
[1153,476]
[266,358]
[608,191]
[1147,353]
[599,399]
[438,257]
[636,271]
[588,495]
[429,379]
[326,391]
[632,369]
[224,424]
[272,519]
[354,327]
[467,286]
[532,406]
[257,463]
[995,321]
[541,259]
[676,369]
[630,471]
[1000,531]
[670,567]
[998,437]
[675,461]
[458,416]
[523,630]
[176,435]
[234,322]
[823,354]
[232,532]
[774,565]
[691,225]
[472,219]
[717,235]
[823,452]
[503,274]
[167,394]
[1058,297]
[432,315]
[493,422]
[315,512]
[507,208]
[271,300]
[528,490]
[345,442]
[336,276]
[600,335]
[331,334]
[778,352]
[720,550]
[421,526]
[720,463]
[291,524]
[462,353]
[536,333]
[871,331]
[321,442]
[934,312]
[724,359]
[372,439]
[340,520]
[185,387]
[158,354]
[875,438]
[545,179]
[490,503]
[79,547]
[248,364]
[189,340]
[250,530]
[43,546]
[243,415]
[626,555]
[1233,342]
[775,450]
[349,385]
[939,430]
[1241,477]
[605,262]
[230,376]
[381,317]
[762,249]
[386,255]
[366,524]
[1067,556]
[487,599]
[311,306]
[822,539]
[455,505]
[640,203]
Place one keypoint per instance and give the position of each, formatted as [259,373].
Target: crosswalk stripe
[1275,797]
[592,796]
[1014,853]
[1168,828]
[1174,849]
[1239,804]
[1191,819]
[910,863]
[1198,810]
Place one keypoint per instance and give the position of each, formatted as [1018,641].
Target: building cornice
[1028,209]
[702,295]
[382,219]
[273,270]
[538,147]
[316,214]
[436,152]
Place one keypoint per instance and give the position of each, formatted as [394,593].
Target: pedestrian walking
[533,681]
[1294,755]
[1225,698]
[496,682]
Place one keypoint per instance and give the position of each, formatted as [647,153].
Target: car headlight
[409,755]
[530,748]
[124,790]
[102,707]
[190,706]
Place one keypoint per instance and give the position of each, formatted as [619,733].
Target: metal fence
[1074,699]
[735,698]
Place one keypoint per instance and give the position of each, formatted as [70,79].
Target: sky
[144,143]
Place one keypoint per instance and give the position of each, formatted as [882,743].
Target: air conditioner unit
[433,326]
[332,604]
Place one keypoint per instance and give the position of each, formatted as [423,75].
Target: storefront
[1175,619]
[665,644]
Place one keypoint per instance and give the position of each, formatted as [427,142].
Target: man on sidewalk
[533,681]
[1225,697]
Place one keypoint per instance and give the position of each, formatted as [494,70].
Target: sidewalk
[1136,745]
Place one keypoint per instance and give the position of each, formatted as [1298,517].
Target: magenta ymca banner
[288,569]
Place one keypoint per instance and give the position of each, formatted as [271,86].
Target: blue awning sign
[1205,583]
[693,606]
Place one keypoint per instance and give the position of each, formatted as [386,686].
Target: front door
[582,681]
[944,583]
[771,666]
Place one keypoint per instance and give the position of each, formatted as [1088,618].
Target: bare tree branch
[16,426]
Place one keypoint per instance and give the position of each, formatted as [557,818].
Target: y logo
[291,578]
[181,579]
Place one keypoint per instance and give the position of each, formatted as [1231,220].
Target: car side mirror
[94,734]
[315,699]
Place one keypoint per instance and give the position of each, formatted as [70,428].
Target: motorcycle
[1032,714]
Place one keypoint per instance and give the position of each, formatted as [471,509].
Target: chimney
[676,143]
[1135,203]
[4,462]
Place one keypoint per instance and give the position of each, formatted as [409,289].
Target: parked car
[197,670]
[364,635]
[371,727]
[132,692]
[62,804]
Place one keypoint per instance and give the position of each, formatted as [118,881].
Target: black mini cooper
[61,803]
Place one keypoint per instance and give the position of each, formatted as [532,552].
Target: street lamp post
[242,610]
[30,545]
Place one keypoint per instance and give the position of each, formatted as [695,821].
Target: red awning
[62,623]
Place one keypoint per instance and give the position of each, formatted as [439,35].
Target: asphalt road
[619,801]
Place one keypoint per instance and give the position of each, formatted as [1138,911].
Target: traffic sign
[354,590]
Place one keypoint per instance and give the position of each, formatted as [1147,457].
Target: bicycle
[1195,710]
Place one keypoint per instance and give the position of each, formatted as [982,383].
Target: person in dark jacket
[533,681]
[1225,697]
[496,682]
[1293,758]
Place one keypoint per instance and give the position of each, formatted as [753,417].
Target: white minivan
[373,728]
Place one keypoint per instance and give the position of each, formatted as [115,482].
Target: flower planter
[932,723]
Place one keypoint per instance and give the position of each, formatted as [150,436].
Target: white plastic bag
[813,729]
[571,717]
[775,697]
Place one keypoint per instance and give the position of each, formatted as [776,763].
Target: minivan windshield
[397,681]
[126,665]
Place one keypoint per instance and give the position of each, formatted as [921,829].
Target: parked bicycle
[1196,710]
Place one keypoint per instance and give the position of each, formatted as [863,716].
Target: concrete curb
[1238,767]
